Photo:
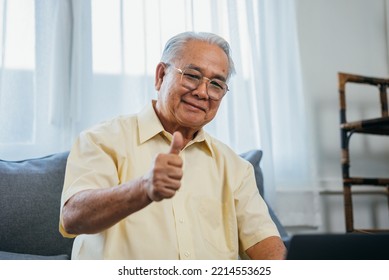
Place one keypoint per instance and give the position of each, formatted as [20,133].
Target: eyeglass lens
[192,78]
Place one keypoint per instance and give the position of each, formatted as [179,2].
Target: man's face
[178,106]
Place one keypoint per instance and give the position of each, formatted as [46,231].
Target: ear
[159,75]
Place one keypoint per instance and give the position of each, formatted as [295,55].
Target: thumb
[177,143]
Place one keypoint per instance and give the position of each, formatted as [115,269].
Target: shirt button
[187,254]
[181,220]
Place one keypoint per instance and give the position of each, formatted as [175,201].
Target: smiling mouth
[194,106]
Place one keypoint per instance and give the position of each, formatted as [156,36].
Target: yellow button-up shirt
[217,213]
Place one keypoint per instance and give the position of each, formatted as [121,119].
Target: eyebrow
[195,67]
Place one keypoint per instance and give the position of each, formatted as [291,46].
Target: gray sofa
[30,192]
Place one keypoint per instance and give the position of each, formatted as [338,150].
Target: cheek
[167,93]
[213,110]
[214,107]
[171,101]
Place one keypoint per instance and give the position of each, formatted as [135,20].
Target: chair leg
[348,208]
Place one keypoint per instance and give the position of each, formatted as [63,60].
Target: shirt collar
[149,126]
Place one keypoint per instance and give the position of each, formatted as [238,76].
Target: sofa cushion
[30,193]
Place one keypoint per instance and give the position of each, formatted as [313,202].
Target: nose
[202,90]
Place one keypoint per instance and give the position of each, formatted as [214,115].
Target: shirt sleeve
[90,165]
[254,221]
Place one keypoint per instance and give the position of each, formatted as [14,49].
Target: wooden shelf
[374,126]
[378,126]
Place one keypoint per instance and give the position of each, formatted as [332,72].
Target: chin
[191,123]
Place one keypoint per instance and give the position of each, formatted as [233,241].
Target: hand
[164,178]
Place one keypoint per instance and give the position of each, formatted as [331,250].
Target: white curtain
[76,63]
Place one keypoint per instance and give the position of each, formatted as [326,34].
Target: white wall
[344,36]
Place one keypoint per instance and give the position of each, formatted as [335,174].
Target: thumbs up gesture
[164,178]
[177,143]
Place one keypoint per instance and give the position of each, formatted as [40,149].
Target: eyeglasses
[191,79]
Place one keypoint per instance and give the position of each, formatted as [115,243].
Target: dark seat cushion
[30,193]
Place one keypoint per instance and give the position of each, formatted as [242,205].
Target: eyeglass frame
[182,71]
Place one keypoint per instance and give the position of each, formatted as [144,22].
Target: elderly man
[155,185]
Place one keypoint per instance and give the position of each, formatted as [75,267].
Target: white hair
[177,43]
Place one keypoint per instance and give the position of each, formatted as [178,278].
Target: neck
[188,133]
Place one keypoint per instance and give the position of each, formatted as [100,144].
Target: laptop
[348,246]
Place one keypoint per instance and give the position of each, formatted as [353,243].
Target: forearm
[271,248]
[92,211]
